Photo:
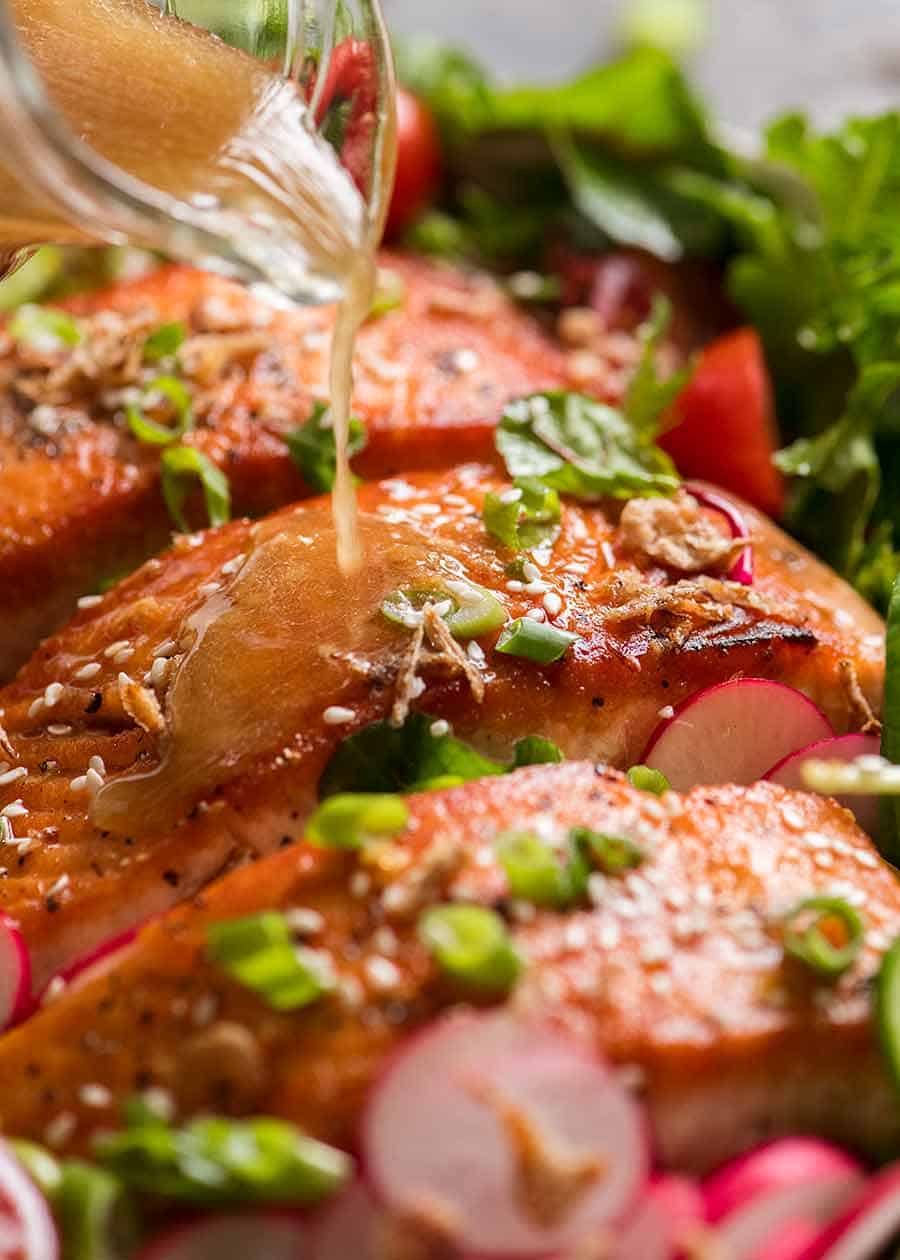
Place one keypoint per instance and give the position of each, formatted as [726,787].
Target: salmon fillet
[182,723]
[79,497]
[676,970]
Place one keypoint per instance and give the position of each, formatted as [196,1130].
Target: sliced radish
[98,961]
[793,1241]
[646,1236]
[868,1225]
[789,772]
[347,1227]
[234,1236]
[796,1178]
[742,569]
[27,1231]
[15,974]
[444,1123]
[734,733]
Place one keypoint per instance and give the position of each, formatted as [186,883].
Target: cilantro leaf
[525,517]
[312,448]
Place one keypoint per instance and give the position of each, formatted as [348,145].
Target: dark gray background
[764,55]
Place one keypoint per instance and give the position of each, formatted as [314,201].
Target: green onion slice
[471,945]
[45,328]
[469,611]
[647,780]
[610,854]
[825,933]
[42,1167]
[179,465]
[349,820]
[535,641]
[97,1215]
[259,952]
[164,341]
[887,1009]
[149,431]
[536,873]
[525,516]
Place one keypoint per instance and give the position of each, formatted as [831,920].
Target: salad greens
[803,226]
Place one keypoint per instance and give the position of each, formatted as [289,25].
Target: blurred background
[757,56]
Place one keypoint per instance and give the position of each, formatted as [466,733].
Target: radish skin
[789,772]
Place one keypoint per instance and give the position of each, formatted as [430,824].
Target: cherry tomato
[726,430]
[419,165]
[346,107]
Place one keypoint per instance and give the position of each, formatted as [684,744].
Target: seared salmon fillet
[676,969]
[80,498]
[183,722]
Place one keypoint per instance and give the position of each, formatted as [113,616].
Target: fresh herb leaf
[890,731]
[259,952]
[649,395]
[216,1161]
[452,82]
[164,341]
[97,1216]
[312,447]
[525,517]
[179,466]
[149,431]
[45,328]
[577,446]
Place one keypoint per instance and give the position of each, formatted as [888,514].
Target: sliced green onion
[164,341]
[312,447]
[535,872]
[179,465]
[32,279]
[259,952]
[887,1010]
[647,780]
[148,431]
[42,1167]
[862,777]
[806,937]
[472,945]
[525,516]
[390,293]
[213,1160]
[534,750]
[535,641]
[45,328]
[468,611]
[97,1216]
[348,821]
[610,854]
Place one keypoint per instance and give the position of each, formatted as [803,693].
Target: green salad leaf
[312,447]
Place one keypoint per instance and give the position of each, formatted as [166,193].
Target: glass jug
[252,137]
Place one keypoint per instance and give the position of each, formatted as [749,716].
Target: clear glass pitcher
[208,131]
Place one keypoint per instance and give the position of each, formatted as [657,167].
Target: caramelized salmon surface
[80,498]
[181,724]
[676,970]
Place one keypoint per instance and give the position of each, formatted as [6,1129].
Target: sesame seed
[530,571]
[97,763]
[94,1096]
[303,921]
[160,1101]
[381,973]
[515,586]
[115,648]
[79,784]
[122,657]
[93,780]
[553,603]
[165,649]
[59,728]
[35,707]
[209,588]
[231,566]
[337,715]
[15,809]
[866,859]
[439,728]
[511,496]
[823,858]
[576,936]
[416,687]
[536,614]
[156,675]
[124,680]
[666,712]
[6,831]
[12,776]
[385,941]
[55,989]
[60,1129]
[52,694]
[360,883]
[465,361]
[90,601]
[87,671]
[58,886]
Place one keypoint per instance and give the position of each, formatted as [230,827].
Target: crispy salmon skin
[675,969]
[183,722]
[79,497]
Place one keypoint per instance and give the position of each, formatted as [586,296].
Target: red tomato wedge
[726,429]
[419,163]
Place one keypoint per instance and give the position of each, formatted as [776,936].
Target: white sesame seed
[475,653]
[576,935]
[124,680]
[337,715]
[35,707]
[60,1129]
[536,614]
[465,361]
[6,831]
[12,776]
[231,566]
[90,601]
[303,921]
[553,603]
[209,588]
[381,973]
[823,858]
[608,555]
[115,648]
[87,671]
[165,649]
[59,728]
[55,989]
[156,675]
[97,763]
[93,780]
[121,658]
[515,586]
[94,1095]
[530,571]
[666,712]
[385,941]
[15,809]
[160,1101]
[511,496]
[865,858]
[439,728]
[416,687]
[79,784]
[58,886]
[52,694]
[360,883]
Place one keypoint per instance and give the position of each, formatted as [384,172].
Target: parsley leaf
[312,447]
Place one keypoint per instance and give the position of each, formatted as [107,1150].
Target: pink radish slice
[796,1178]
[742,569]
[435,1133]
[788,772]
[27,1231]
[234,1236]
[15,975]
[867,1226]
[792,1241]
[347,1227]
[646,1236]
[734,733]
[97,962]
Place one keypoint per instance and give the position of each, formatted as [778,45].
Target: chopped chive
[610,854]
[349,820]
[647,780]
[45,328]
[825,934]
[258,951]
[535,641]
[149,431]
[468,610]
[179,465]
[471,945]
[164,341]
[524,517]
[535,872]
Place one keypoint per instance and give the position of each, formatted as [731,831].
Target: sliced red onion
[274,1235]
[734,733]
[438,1134]
[867,1225]
[742,569]
[793,1179]
[789,772]
[27,1231]
[15,974]
[347,1227]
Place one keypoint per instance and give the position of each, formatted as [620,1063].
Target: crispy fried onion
[677,534]
[441,653]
